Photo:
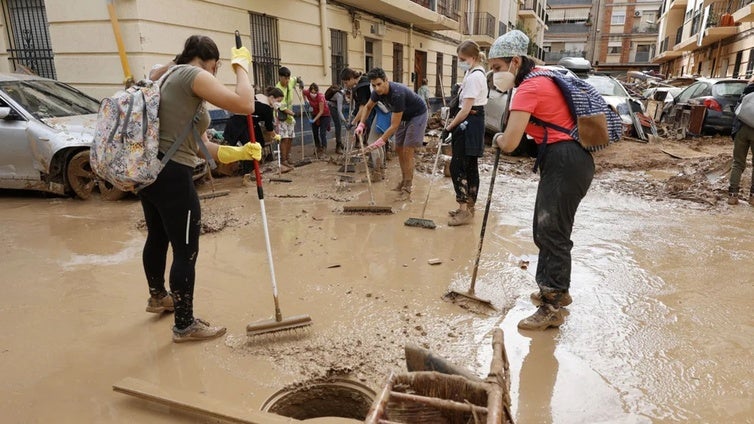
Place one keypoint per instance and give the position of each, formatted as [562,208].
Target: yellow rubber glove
[240,57]
[230,154]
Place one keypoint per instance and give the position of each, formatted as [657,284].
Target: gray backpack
[745,110]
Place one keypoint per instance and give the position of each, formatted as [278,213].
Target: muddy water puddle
[656,332]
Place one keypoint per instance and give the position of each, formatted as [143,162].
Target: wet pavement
[659,331]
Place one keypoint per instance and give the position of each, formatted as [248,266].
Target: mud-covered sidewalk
[653,336]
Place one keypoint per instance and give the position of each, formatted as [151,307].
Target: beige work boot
[733,199]
[199,330]
[545,317]
[470,207]
[463,217]
[158,305]
[536,299]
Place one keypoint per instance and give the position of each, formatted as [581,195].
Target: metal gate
[338,40]
[265,53]
[29,37]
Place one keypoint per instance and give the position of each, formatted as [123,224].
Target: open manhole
[324,398]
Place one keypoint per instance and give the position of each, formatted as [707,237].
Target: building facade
[74,40]
[711,38]
[614,35]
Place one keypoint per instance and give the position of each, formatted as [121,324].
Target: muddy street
[659,330]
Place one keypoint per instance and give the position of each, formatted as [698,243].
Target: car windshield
[49,99]
[606,86]
[728,89]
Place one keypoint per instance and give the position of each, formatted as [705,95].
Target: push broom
[278,323]
[470,294]
[372,208]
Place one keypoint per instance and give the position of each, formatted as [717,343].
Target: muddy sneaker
[399,187]
[454,212]
[198,331]
[284,169]
[158,305]
[405,195]
[463,217]
[536,299]
[288,165]
[546,316]
[733,199]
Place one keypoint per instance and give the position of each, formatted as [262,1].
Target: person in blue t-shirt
[408,122]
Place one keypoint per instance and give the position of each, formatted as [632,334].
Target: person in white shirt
[467,129]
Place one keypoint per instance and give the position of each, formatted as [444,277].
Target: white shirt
[474,86]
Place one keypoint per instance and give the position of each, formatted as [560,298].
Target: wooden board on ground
[196,404]
[683,152]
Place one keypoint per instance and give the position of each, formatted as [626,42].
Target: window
[618,19]
[737,65]
[29,37]
[338,59]
[368,55]
[264,50]
[750,64]
[398,62]
[613,50]
[438,72]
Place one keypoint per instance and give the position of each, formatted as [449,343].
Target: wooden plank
[196,404]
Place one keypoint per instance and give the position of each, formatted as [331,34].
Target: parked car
[719,95]
[46,128]
[493,112]
[616,96]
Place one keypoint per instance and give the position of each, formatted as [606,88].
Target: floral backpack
[126,141]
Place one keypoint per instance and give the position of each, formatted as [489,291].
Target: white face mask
[465,66]
[505,80]
[276,105]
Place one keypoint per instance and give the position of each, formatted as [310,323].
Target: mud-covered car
[718,95]
[46,129]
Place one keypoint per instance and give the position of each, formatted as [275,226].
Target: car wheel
[80,176]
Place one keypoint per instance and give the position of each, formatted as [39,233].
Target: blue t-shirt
[400,98]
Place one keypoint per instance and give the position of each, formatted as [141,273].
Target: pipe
[129,79]
[325,38]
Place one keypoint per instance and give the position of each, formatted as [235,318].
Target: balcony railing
[641,57]
[567,28]
[448,8]
[645,28]
[556,56]
[536,7]
[479,23]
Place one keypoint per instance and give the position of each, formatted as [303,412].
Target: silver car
[46,128]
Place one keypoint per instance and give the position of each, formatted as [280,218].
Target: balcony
[567,28]
[678,4]
[480,26]
[532,9]
[645,28]
[424,14]
[744,11]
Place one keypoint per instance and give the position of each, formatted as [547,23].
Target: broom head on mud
[278,324]
[419,222]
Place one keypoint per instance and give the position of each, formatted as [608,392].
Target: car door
[16,158]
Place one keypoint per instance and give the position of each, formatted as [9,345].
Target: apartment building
[614,35]
[711,38]
[74,40]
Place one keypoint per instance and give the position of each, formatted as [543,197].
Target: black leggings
[464,171]
[173,216]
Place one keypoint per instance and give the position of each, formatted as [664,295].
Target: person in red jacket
[320,121]
[566,171]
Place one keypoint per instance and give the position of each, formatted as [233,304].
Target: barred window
[265,51]
[29,37]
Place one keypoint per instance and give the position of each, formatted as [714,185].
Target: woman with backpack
[335,100]
[171,205]
[467,129]
[320,122]
[566,171]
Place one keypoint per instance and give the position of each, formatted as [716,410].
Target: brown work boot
[536,299]
[378,175]
[546,316]
[158,305]
[339,149]
[463,217]
[199,330]
[733,199]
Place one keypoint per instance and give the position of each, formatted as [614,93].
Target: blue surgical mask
[465,66]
